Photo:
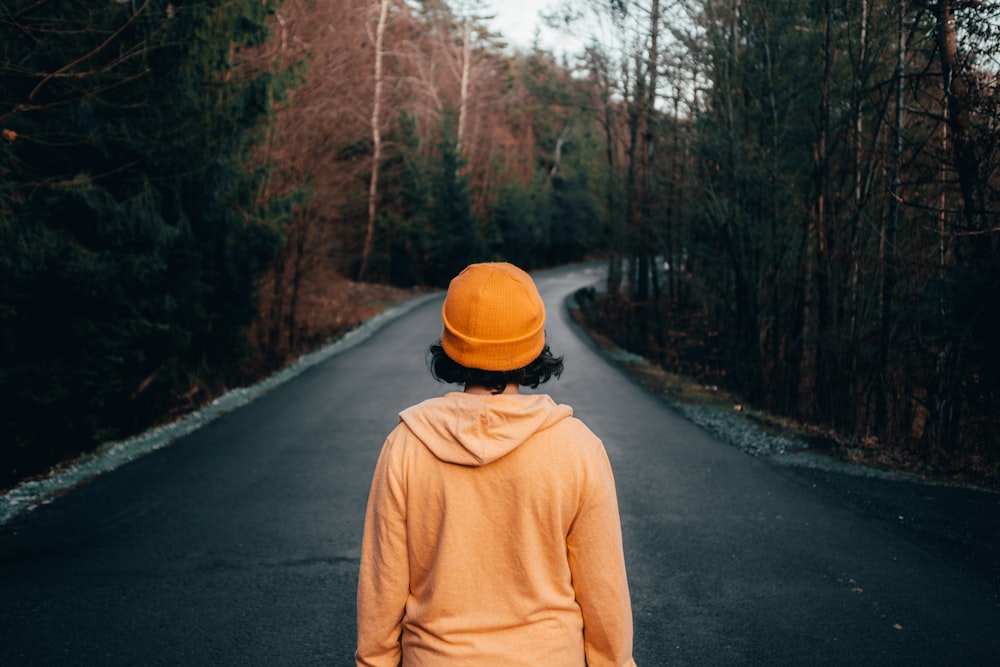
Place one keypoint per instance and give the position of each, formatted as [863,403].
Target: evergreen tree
[456,240]
[518,217]
[401,247]
[130,228]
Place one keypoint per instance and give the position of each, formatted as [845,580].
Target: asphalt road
[239,543]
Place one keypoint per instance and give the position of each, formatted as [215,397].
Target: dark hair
[445,369]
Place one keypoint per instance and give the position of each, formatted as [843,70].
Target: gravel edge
[34,492]
[729,427]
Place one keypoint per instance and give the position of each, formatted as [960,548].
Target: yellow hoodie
[492,537]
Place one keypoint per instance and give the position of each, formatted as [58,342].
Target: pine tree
[400,248]
[130,228]
[457,240]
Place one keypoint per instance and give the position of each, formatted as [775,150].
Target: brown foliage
[322,134]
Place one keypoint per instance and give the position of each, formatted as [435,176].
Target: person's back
[492,535]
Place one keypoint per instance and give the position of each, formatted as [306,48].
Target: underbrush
[329,307]
[682,383]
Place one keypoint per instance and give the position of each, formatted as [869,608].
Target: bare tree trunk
[859,127]
[809,368]
[614,264]
[971,247]
[298,270]
[463,102]
[860,197]
[675,198]
[646,145]
[275,308]
[600,66]
[888,245]
[376,131]
[769,334]
[967,162]
[633,176]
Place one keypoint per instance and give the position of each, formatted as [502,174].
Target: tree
[131,230]
[970,364]
[456,240]
[844,293]
[403,233]
[376,130]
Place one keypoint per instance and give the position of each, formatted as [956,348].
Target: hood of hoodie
[475,429]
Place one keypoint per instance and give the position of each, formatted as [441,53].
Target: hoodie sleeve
[383,584]
[597,563]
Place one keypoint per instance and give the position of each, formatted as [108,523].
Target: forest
[797,200]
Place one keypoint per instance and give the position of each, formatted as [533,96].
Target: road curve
[239,543]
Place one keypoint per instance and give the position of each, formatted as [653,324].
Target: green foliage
[556,217]
[427,229]
[551,220]
[402,234]
[456,240]
[131,230]
[573,203]
[826,233]
[519,217]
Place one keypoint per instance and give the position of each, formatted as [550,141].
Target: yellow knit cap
[494,318]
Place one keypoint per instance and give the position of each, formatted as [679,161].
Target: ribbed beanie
[494,318]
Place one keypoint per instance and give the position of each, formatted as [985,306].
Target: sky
[517,20]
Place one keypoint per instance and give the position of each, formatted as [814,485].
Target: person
[492,534]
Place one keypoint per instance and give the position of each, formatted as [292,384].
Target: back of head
[494,318]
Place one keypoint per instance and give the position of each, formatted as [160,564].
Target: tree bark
[956,90]
[887,251]
[809,367]
[376,135]
[463,100]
